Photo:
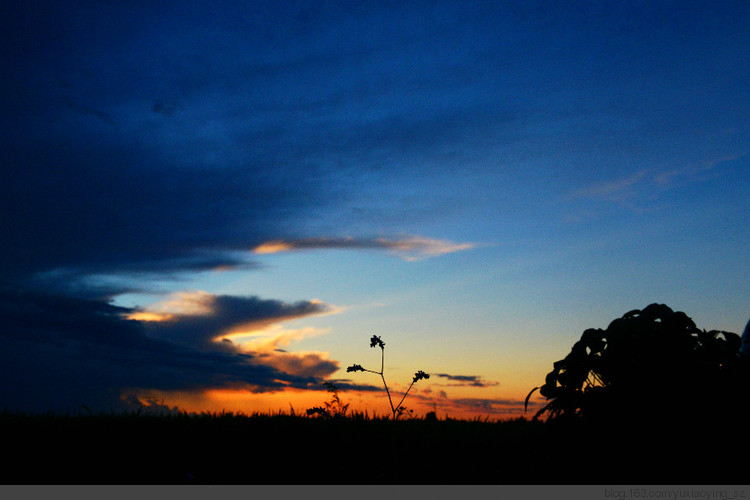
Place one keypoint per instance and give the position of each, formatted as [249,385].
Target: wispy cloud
[612,190]
[503,407]
[491,405]
[668,177]
[639,182]
[86,110]
[412,248]
[465,380]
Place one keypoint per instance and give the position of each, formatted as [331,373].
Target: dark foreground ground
[282,449]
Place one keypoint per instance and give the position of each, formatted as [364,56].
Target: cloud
[490,405]
[411,248]
[315,365]
[268,342]
[85,110]
[623,188]
[497,406]
[147,277]
[270,338]
[646,192]
[669,177]
[464,380]
[613,190]
[254,156]
[197,318]
[423,400]
[431,395]
[149,405]
[60,352]
[165,108]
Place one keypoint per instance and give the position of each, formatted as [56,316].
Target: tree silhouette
[649,363]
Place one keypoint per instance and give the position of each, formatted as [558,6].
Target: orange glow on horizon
[288,400]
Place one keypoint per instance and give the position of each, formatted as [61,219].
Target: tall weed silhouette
[396,410]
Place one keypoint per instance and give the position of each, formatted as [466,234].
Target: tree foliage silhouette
[649,362]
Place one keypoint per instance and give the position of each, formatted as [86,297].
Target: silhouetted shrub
[651,364]
[331,409]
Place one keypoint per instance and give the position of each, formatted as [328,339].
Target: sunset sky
[215,205]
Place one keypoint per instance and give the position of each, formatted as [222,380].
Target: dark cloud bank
[121,158]
[147,142]
[62,352]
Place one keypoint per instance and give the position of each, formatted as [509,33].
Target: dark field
[286,449]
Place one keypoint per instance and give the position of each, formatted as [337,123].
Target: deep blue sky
[478,181]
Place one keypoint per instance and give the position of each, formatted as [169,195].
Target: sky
[213,206]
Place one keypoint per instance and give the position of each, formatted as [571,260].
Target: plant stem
[393,410]
[407,392]
[382,369]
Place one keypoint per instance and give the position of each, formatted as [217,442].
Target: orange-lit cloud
[246,325]
[273,247]
[196,303]
[267,346]
[301,364]
[195,318]
[271,338]
[148,316]
[411,248]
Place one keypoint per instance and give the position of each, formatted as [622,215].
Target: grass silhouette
[281,448]
[630,443]
[261,448]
